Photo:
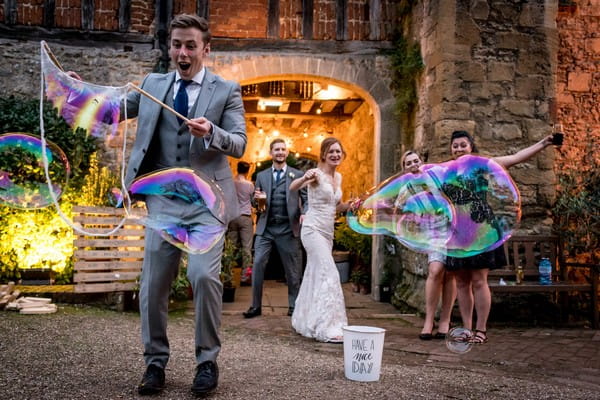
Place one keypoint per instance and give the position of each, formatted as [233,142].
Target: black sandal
[425,336]
[440,335]
[480,337]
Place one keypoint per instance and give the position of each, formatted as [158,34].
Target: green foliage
[229,260]
[39,238]
[577,207]
[407,64]
[17,115]
[97,185]
[347,239]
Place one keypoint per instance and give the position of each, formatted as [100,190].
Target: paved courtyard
[84,352]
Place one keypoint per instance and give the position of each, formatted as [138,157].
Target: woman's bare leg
[433,289]
[448,298]
[464,291]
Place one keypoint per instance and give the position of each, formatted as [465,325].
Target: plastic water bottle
[545,270]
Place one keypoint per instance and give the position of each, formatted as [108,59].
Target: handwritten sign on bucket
[363,350]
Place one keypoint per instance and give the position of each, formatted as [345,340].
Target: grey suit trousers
[290,251]
[160,267]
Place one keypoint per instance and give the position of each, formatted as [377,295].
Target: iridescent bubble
[189,187]
[487,204]
[115,197]
[409,207]
[192,238]
[23,182]
[460,208]
[459,340]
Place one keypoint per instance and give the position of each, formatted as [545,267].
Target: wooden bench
[107,263]
[527,251]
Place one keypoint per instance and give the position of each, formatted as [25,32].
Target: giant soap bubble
[23,183]
[460,208]
[175,225]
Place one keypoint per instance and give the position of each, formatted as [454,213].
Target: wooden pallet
[107,263]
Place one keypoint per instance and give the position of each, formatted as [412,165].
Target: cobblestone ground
[89,353]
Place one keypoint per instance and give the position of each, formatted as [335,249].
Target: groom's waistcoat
[278,213]
[174,139]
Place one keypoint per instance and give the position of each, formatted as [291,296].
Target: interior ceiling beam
[322,116]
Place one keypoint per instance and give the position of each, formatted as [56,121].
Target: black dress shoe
[252,312]
[207,378]
[153,381]
[290,311]
[425,336]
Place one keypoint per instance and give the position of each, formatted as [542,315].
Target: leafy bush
[39,238]
[577,207]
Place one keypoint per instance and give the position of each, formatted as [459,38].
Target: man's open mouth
[184,66]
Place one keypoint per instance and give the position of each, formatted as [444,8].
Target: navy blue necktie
[278,175]
[181,100]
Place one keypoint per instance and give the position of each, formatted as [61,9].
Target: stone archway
[366,74]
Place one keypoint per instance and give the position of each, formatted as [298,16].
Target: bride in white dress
[320,311]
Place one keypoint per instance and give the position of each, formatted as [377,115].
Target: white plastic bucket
[363,349]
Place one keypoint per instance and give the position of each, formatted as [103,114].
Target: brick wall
[290,19]
[67,14]
[142,16]
[240,19]
[247,19]
[106,16]
[30,12]
[578,80]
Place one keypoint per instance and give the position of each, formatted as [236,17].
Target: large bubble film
[84,105]
[185,184]
[191,238]
[408,207]
[23,183]
[460,208]
[190,187]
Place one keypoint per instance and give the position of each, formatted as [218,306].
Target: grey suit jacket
[264,181]
[220,101]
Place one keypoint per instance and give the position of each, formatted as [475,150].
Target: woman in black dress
[472,272]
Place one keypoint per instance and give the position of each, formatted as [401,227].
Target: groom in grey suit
[279,225]
[216,129]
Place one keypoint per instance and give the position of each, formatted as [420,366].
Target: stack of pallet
[10,300]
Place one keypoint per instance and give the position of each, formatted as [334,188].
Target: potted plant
[355,279]
[357,244]
[230,276]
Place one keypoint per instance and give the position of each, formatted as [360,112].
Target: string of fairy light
[262,152]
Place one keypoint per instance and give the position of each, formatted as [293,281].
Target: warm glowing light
[319,111]
[275,133]
[330,92]
[297,155]
[305,134]
[264,103]
[258,164]
[261,131]
[308,148]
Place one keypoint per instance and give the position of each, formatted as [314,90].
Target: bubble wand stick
[131,85]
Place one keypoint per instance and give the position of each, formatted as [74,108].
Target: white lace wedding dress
[320,310]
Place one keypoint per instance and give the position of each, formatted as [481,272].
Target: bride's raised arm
[309,176]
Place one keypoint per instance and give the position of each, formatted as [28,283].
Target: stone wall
[489,70]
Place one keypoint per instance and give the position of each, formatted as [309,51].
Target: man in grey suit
[279,225]
[216,130]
